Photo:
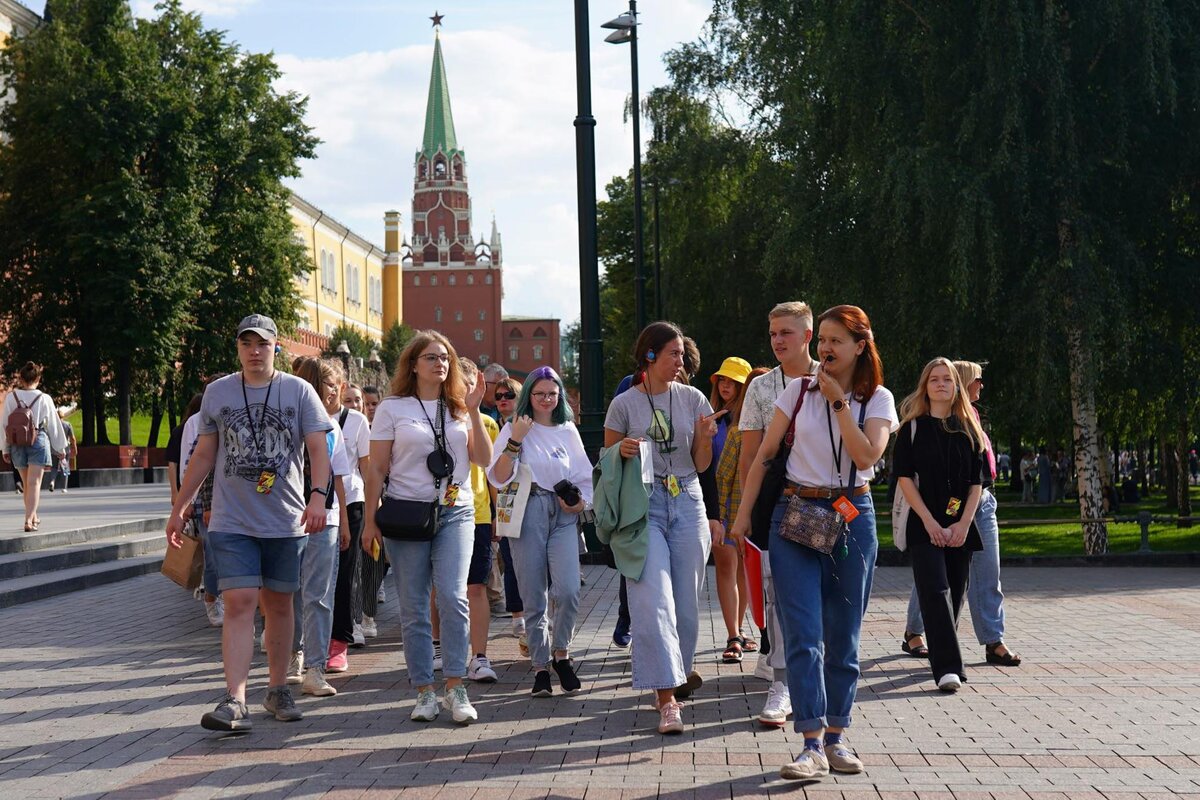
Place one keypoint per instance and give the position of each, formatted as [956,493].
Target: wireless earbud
[650,355]
[278,348]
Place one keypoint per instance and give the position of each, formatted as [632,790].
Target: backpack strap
[342,417]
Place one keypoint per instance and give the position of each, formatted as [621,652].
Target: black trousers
[940,575]
[372,573]
[347,594]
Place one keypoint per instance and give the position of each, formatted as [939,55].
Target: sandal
[916,651]
[733,651]
[748,644]
[1006,659]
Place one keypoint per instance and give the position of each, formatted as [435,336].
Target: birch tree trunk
[1087,449]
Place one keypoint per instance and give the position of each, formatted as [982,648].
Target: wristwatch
[838,405]
[317,490]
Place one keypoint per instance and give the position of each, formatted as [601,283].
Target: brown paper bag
[185,565]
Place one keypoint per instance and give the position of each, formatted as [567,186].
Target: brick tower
[452,283]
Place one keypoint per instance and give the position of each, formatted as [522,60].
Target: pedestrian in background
[62,464]
[31,437]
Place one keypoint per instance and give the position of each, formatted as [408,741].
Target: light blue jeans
[442,564]
[665,603]
[312,622]
[821,604]
[210,579]
[983,590]
[547,550]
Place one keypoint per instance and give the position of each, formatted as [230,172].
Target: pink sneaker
[338,662]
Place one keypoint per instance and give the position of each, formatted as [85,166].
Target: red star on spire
[437,19]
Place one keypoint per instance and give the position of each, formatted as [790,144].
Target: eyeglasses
[505,396]
[436,358]
[547,397]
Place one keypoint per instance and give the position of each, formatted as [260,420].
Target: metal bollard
[1143,519]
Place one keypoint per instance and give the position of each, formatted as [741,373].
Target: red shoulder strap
[790,436]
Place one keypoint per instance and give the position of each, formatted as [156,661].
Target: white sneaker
[518,627]
[426,709]
[949,683]
[262,640]
[778,706]
[295,673]
[480,670]
[437,656]
[459,706]
[764,670]
[199,592]
[369,628]
[315,683]
[381,595]
[358,636]
[216,612]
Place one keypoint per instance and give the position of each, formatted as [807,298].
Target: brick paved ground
[102,693]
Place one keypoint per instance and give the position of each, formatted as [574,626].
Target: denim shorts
[481,554]
[253,562]
[37,454]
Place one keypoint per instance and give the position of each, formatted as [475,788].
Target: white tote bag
[511,502]
[900,506]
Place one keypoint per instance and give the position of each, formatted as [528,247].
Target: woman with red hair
[843,420]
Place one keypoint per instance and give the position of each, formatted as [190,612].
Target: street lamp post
[624,30]
[591,348]
[343,351]
[374,362]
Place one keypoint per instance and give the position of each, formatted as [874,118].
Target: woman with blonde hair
[937,464]
[984,595]
[426,435]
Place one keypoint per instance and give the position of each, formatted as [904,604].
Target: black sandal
[733,651]
[748,645]
[1007,659]
[916,651]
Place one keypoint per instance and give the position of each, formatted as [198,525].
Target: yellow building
[351,282]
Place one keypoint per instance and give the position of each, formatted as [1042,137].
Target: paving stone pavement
[102,693]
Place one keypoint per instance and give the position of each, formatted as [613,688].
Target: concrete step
[97,551]
[38,540]
[38,587]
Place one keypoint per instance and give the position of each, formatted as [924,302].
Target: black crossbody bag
[417,520]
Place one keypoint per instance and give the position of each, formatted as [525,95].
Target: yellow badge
[451,495]
[375,550]
[953,506]
[265,482]
[673,485]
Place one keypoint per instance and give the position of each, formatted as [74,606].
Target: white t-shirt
[552,453]
[187,443]
[812,462]
[340,465]
[401,421]
[357,434]
[759,406]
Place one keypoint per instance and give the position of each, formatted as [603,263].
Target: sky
[365,65]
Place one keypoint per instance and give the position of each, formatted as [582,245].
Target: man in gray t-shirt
[254,428]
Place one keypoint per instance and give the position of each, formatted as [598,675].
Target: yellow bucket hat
[734,368]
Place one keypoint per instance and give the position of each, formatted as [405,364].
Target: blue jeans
[313,604]
[37,454]
[258,562]
[440,564]
[666,600]
[821,605]
[512,590]
[546,556]
[983,589]
[211,582]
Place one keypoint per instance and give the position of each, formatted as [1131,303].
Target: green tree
[395,339]
[359,343]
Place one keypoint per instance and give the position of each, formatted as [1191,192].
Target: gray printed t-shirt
[669,426]
[277,444]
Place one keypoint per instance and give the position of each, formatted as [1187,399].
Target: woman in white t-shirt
[543,438]
[47,443]
[843,425]
[429,410]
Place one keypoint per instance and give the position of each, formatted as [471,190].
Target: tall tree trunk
[1183,489]
[101,411]
[172,416]
[1145,467]
[156,416]
[124,394]
[1170,462]
[1087,452]
[87,390]
[1107,486]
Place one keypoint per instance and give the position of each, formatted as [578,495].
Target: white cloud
[207,8]
[514,103]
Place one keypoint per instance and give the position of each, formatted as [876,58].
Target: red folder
[753,559]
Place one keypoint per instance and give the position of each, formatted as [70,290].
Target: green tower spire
[439,120]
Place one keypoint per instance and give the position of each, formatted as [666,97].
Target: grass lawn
[1066,538]
[140,424]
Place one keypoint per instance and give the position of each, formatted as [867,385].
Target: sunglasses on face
[505,396]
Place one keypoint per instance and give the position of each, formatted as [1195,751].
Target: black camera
[568,492]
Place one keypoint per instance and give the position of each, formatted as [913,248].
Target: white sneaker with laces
[518,627]
[764,670]
[778,706]
[295,673]
[369,628]
[216,612]
[315,683]
[949,683]
[459,706]
[381,595]
[480,670]
[358,636]
[437,656]
[426,709]
[810,765]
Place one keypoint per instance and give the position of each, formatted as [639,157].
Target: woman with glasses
[677,422]
[428,422]
[543,437]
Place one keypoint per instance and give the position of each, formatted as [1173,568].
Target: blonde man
[790,326]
